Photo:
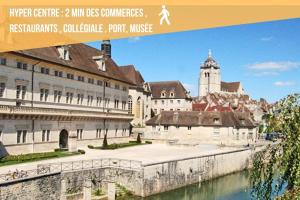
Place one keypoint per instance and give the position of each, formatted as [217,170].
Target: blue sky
[265,57]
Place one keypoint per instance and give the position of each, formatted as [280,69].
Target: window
[80,98]
[116,132]
[44,94]
[99,82]
[99,100]
[70,76]
[177,127]
[91,80]
[106,102]
[69,97]
[162,102]
[216,131]
[178,101]
[45,135]
[79,134]
[116,103]
[90,100]
[124,88]
[130,105]
[3,61]
[2,88]
[98,133]
[189,128]
[123,105]
[44,70]
[172,94]
[21,65]
[216,120]
[166,128]
[57,96]
[171,101]
[80,78]
[21,92]
[58,73]
[21,136]
[107,84]
[124,131]
[117,86]
[153,128]
[155,102]
[163,94]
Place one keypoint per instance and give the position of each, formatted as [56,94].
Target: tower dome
[210,62]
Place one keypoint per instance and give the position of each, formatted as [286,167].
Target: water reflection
[230,187]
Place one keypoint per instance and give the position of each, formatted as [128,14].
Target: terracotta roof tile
[230,86]
[168,87]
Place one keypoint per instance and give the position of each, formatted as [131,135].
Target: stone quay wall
[150,179]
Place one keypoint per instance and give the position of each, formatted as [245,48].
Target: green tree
[280,161]
[105,141]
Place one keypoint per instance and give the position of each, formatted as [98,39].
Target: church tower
[210,77]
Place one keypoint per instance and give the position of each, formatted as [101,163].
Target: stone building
[169,95]
[210,80]
[139,99]
[208,127]
[61,97]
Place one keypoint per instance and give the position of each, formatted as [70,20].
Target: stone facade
[47,102]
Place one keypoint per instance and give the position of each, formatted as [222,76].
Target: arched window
[172,94]
[129,104]
[163,94]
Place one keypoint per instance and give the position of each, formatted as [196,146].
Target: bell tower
[210,77]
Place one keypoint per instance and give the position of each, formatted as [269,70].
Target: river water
[230,187]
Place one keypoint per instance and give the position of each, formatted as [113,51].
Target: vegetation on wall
[278,165]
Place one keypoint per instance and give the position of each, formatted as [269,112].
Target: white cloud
[267,39]
[193,89]
[134,39]
[284,83]
[272,67]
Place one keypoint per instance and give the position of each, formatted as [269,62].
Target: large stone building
[208,127]
[170,95]
[210,80]
[139,100]
[61,97]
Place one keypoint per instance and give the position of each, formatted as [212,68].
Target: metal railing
[49,168]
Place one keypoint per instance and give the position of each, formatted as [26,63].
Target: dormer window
[216,121]
[64,52]
[163,94]
[172,94]
[100,60]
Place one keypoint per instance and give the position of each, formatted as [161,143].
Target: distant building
[223,127]
[210,80]
[139,99]
[170,95]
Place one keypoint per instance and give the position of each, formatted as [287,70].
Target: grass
[22,158]
[119,145]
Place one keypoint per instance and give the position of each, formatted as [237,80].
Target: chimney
[64,52]
[106,48]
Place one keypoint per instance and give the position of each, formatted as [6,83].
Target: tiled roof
[195,118]
[169,86]
[81,58]
[230,86]
[132,74]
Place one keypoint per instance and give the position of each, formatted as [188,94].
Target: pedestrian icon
[164,15]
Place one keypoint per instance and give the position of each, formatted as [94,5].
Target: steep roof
[230,86]
[81,58]
[195,118]
[132,74]
[168,86]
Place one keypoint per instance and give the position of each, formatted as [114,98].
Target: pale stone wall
[209,134]
[141,107]
[168,104]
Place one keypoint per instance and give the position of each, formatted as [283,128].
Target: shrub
[138,139]
[104,145]
[90,146]
[97,192]
[81,151]
[59,150]
[148,142]
[133,141]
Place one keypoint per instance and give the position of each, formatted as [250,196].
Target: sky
[265,57]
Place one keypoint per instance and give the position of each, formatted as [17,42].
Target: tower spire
[209,53]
